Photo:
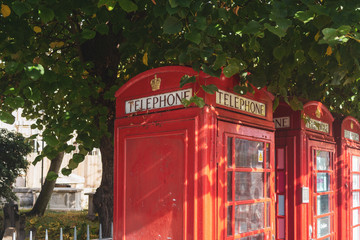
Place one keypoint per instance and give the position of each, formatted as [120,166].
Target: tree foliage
[13,151]
[62,61]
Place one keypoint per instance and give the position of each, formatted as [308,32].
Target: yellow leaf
[145,59]
[5,10]
[317,36]
[60,44]
[329,51]
[37,29]
[52,44]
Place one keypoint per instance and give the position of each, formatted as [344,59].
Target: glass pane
[259,236]
[281,228]
[356,202]
[268,214]
[249,154]
[323,226]
[229,220]
[280,181]
[229,186]
[280,158]
[356,233]
[355,163]
[322,160]
[356,181]
[323,182]
[323,204]
[229,151]
[249,217]
[267,184]
[281,205]
[355,213]
[267,155]
[249,185]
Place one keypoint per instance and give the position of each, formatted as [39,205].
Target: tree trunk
[103,198]
[47,189]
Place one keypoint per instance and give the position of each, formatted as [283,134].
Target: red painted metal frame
[346,148]
[200,128]
[298,142]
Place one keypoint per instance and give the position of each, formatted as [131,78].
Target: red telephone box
[346,131]
[305,173]
[192,173]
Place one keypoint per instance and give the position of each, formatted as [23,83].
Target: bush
[13,151]
[53,221]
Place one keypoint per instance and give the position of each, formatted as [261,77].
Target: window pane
[268,214]
[356,233]
[267,155]
[323,182]
[281,228]
[356,181]
[267,184]
[356,202]
[229,151]
[355,163]
[229,220]
[280,158]
[229,186]
[280,181]
[249,153]
[249,217]
[323,226]
[322,160]
[323,204]
[249,185]
[281,205]
[355,213]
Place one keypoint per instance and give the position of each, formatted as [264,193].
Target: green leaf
[276,30]
[211,88]
[128,5]
[200,23]
[173,3]
[102,28]
[172,25]
[240,89]
[12,67]
[279,52]
[252,27]
[276,103]
[193,36]
[37,159]
[219,61]
[187,79]
[20,8]
[52,176]
[88,34]
[210,71]
[34,72]
[70,148]
[304,16]
[198,101]
[78,158]
[51,140]
[231,70]
[14,102]
[7,117]
[66,171]
[46,14]
[295,104]
[299,56]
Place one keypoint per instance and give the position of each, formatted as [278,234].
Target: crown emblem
[352,125]
[318,113]
[155,83]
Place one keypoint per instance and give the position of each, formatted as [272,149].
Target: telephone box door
[245,183]
[322,212]
[354,203]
